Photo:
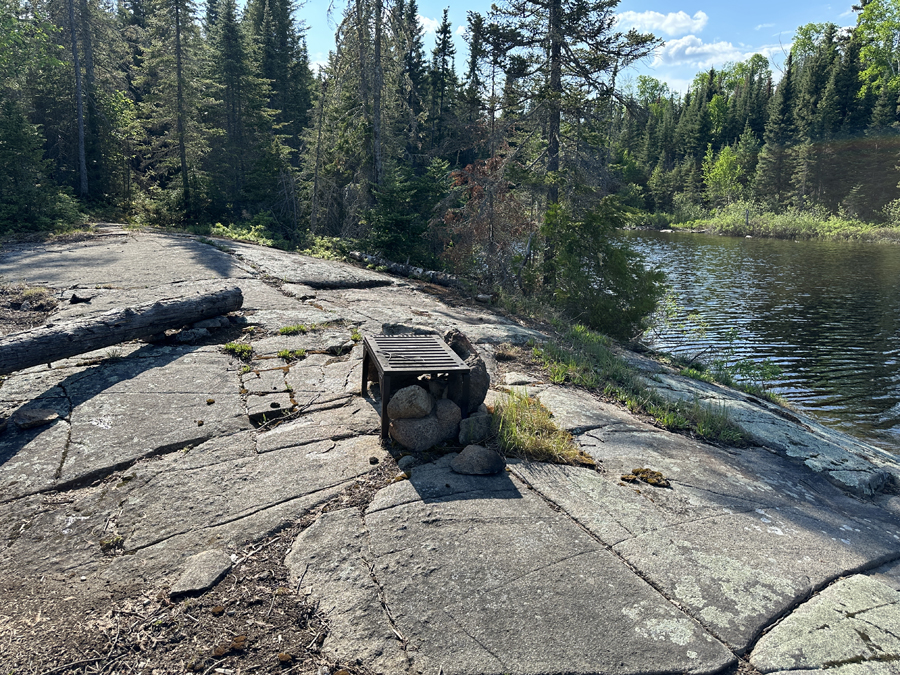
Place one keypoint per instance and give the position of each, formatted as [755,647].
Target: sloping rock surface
[150,455]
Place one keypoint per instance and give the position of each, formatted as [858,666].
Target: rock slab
[202,572]
[482,576]
[854,621]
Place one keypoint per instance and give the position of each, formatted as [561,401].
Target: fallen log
[52,342]
[440,278]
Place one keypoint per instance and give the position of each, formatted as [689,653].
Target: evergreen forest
[512,165]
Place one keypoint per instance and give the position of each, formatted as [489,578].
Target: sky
[698,35]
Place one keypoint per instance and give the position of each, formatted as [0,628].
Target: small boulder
[476,460]
[437,387]
[202,572]
[417,434]
[426,432]
[406,463]
[475,428]
[449,415]
[410,403]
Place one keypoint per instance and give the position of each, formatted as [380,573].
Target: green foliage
[292,355]
[296,329]
[810,223]
[328,248]
[722,174]
[399,222]
[239,349]
[29,200]
[596,278]
[878,26]
[757,375]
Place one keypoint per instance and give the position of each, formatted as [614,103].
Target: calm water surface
[827,313]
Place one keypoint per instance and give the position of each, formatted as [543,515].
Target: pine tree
[284,62]
[776,166]
[442,80]
[173,79]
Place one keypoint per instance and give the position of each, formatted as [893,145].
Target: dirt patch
[254,620]
[23,307]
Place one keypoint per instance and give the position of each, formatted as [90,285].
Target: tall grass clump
[526,429]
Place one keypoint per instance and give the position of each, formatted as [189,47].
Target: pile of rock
[418,422]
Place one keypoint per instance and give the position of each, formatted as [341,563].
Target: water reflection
[827,313]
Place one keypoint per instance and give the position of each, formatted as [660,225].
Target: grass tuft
[585,358]
[296,329]
[525,429]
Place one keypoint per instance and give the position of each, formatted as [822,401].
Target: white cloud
[460,30]
[692,51]
[765,25]
[673,23]
[428,25]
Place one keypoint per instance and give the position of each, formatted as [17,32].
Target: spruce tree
[776,161]
[442,81]
[174,81]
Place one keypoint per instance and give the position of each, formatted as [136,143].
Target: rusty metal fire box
[411,355]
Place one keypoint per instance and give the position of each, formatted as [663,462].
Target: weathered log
[440,278]
[45,344]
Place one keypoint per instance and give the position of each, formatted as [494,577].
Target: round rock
[477,460]
[410,403]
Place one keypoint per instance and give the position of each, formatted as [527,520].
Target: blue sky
[698,35]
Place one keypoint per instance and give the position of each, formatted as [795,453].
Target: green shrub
[598,279]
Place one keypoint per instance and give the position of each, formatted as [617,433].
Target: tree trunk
[179,123]
[376,100]
[79,104]
[553,130]
[555,99]
[314,207]
[60,341]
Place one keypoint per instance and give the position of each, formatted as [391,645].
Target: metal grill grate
[415,353]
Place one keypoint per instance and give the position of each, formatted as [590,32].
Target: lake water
[827,313]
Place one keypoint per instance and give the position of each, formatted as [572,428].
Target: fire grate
[411,355]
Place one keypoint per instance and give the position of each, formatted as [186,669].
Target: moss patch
[648,476]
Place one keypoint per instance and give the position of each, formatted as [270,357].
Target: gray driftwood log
[186,304]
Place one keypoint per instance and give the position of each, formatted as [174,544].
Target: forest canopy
[508,170]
